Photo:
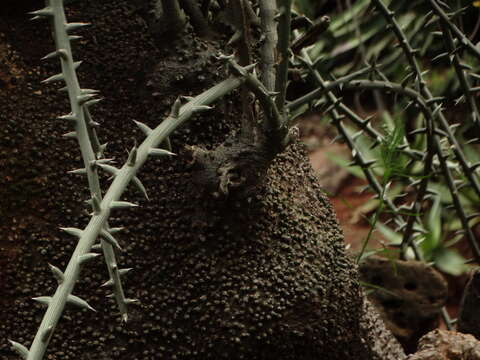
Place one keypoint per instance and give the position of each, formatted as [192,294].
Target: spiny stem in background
[435,145]
[329,85]
[436,108]
[364,125]
[407,239]
[373,222]
[311,36]
[422,189]
[337,121]
[461,75]
[358,158]
[435,105]
[346,82]
[391,159]
[463,39]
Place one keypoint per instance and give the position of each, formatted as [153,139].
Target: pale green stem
[283,46]
[85,134]
[268,10]
[98,221]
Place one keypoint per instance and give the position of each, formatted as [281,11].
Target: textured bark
[258,276]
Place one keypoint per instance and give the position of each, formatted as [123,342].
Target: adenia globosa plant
[259,70]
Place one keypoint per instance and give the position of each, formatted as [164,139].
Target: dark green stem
[455,30]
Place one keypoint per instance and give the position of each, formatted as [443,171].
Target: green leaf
[450,262]
[392,236]
[391,157]
[434,222]
[341,161]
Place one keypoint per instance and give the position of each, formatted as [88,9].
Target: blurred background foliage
[359,36]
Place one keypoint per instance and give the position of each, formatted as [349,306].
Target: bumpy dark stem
[233,169]
[238,165]
[425,92]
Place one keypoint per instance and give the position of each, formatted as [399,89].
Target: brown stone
[447,345]
[408,294]
[469,316]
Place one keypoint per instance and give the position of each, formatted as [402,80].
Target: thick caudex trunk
[221,272]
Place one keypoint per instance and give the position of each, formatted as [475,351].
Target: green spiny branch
[460,70]
[436,107]
[433,102]
[84,131]
[358,157]
[463,39]
[96,226]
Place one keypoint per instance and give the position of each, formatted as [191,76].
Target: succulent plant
[435,151]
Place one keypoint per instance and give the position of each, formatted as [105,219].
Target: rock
[468,319]
[408,294]
[447,345]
